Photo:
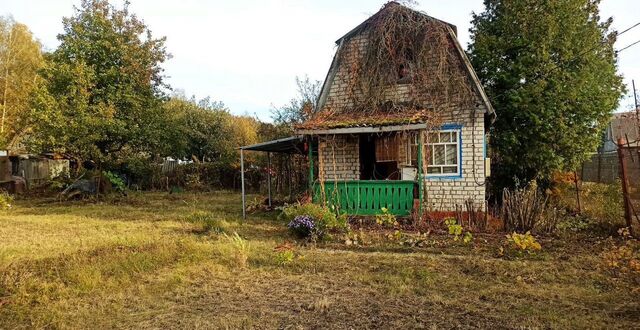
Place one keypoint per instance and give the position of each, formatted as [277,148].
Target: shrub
[302,226]
[521,244]
[523,208]
[6,200]
[386,219]
[602,207]
[323,218]
[457,231]
[623,259]
[116,181]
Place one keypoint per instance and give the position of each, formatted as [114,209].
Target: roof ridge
[357,29]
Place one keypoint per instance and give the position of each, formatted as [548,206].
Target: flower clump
[302,225]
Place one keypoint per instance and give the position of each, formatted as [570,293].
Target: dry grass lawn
[136,263]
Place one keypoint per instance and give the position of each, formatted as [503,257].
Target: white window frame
[430,145]
[412,140]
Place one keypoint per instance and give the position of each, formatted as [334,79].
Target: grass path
[135,263]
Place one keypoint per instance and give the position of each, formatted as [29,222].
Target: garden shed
[400,121]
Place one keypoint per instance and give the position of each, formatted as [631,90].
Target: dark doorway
[367,157]
[370,167]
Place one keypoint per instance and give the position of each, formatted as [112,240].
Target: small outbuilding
[400,122]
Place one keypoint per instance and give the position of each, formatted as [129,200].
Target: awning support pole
[420,178]
[269,176]
[244,208]
[311,168]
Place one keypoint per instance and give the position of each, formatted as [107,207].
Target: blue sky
[248,53]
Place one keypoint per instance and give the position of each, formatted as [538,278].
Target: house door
[379,157]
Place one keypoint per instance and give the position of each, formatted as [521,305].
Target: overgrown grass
[139,262]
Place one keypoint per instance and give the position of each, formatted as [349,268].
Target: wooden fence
[368,197]
[601,168]
[39,170]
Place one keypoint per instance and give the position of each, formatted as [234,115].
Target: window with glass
[443,153]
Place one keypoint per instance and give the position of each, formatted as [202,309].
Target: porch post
[420,178]
[244,209]
[311,167]
[269,176]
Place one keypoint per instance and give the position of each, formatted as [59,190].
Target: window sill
[443,177]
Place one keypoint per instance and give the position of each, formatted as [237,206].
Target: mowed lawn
[136,263]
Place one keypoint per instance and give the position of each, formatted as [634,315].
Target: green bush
[602,208]
[324,218]
[116,181]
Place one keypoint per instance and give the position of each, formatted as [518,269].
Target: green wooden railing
[366,197]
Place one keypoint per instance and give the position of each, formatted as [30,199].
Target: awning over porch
[291,145]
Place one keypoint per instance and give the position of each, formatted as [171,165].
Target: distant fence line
[601,168]
[39,170]
[605,167]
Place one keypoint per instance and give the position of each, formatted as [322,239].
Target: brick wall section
[339,159]
[444,194]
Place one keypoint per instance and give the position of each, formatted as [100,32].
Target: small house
[625,126]
[400,123]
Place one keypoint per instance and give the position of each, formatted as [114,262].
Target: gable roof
[364,24]
[452,30]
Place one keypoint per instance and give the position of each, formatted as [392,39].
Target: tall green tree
[205,130]
[549,68]
[105,85]
[20,60]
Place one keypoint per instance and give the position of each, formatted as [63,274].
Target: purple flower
[302,225]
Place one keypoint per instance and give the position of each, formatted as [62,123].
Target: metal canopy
[290,145]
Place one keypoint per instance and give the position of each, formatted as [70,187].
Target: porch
[375,168]
[367,197]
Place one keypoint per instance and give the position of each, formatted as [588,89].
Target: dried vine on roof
[404,49]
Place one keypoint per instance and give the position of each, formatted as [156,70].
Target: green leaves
[550,71]
[20,60]
[106,86]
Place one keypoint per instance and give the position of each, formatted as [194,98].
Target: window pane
[433,170]
[449,169]
[445,137]
[430,156]
[452,153]
[454,136]
[433,138]
[438,155]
